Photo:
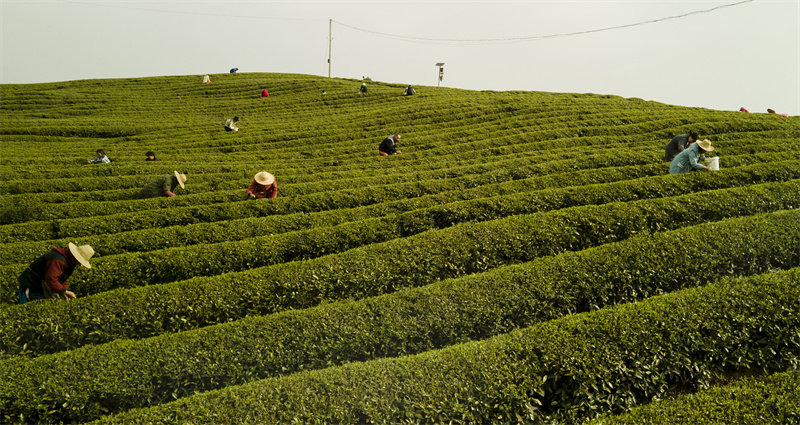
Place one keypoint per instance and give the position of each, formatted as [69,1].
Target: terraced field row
[526,259]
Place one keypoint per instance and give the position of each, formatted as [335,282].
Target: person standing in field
[48,276]
[262,186]
[363,88]
[264,93]
[678,144]
[389,145]
[230,124]
[101,158]
[687,160]
[150,156]
[410,91]
[164,185]
[206,79]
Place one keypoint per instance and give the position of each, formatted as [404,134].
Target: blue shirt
[686,160]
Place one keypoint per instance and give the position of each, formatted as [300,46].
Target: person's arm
[167,187]
[250,189]
[52,272]
[696,165]
[388,146]
[272,192]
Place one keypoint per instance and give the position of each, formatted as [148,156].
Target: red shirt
[54,269]
[262,191]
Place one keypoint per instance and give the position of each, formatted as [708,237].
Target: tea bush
[156,370]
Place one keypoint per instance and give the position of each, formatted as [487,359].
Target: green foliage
[363,256]
[563,371]
[407,322]
[773,399]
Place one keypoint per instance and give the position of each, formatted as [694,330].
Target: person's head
[264,178]
[81,253]
[705,146]
[181,178]
[396,137]
[100,153]
[693,137]
[235,119]
[150,154]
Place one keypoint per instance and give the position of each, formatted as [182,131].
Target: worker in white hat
[262,186]
[48,275]
[164,185]
[688,159]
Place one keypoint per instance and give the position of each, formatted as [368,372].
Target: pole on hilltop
[330,25]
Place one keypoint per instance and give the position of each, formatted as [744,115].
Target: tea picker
[262,186]
[678,144]
[389,145]
[688,159]
[48,276]
[230,124]
[164,185]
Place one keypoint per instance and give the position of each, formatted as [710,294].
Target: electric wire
[538,37]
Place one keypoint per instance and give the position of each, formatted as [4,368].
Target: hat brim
[78,256]
[267,181]
[178,176]
[705,145]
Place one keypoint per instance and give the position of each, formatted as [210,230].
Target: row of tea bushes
[188,214]
[157,370]
[212,189]
[136,181]
[362,272]
[773,399]
[448,208]
[562,371]
[254,221]
[163,266]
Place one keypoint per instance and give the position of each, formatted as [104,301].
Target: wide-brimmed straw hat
[82,253]
[706,145]
[181,179]
[264,178]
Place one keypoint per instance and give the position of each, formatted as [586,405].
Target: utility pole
[330,26]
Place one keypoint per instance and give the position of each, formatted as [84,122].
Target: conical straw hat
[264,178]
[181,179]
[706,145]
[82,253]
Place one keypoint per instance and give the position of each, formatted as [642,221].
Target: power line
[537,37]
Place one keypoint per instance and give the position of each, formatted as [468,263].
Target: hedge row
[98,180]
[773,399]
[220,189]
[55,229]
[156,370]
[444,215]
[163,266]
[563,371]
[230,227]
[366,271]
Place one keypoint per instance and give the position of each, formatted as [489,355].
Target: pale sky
[746,55]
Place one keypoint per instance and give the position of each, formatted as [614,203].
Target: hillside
[527,258]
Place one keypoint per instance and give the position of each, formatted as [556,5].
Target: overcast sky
[745,55]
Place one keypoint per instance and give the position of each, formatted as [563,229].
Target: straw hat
[181,179]
[82,253]
[706,145]
[265,178]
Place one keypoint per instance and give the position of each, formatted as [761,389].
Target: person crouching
[48,276]
[262,186]
[164,186]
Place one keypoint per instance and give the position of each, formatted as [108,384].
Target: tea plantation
[526,259]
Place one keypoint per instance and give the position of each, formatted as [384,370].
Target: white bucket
[713,162]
